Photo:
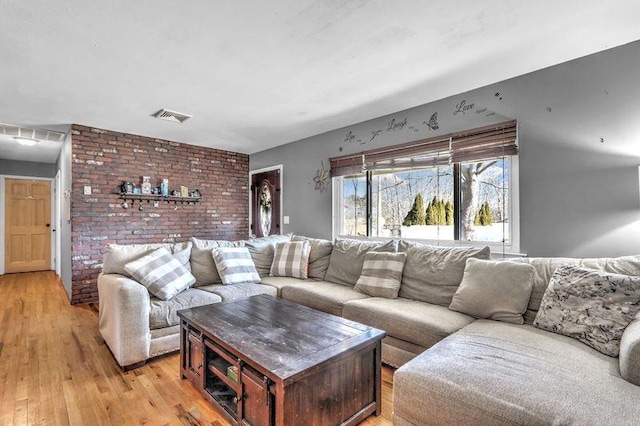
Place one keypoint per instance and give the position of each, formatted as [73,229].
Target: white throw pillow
[497,290]
[291,259]
[235,265]
[161,273]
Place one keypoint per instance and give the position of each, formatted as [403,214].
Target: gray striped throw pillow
[381,274]
[161,273]
[291,259]
[235,265]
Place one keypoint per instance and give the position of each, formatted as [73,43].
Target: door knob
[47,225]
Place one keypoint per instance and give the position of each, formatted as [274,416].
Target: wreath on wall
[265,199]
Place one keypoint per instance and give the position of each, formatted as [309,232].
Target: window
[426,194]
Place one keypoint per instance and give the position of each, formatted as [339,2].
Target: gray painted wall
[27,168]
[64,165]
[579,137]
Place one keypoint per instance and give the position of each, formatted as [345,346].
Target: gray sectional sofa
[454,367]
[496,373]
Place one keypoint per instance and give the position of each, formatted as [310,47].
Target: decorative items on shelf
[164,187]
[129,193]
[126,187]
[146,185]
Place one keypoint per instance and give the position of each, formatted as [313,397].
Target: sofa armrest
[124,318]
[630,353]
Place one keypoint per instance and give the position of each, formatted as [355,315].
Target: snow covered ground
[493,232]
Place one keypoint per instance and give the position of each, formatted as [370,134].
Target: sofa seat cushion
[396,352]
[280,282]
[239,291]
[164,313]
[421,323]
[322,295]
[495,373]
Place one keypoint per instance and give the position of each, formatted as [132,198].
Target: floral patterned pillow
[589,305]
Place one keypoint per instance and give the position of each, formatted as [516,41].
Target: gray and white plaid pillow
[235,265]
[291,259]
[161,273]
[381,274]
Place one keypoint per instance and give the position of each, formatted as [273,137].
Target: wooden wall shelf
[156,197]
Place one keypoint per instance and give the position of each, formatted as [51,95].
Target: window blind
[347,165]
[478,144]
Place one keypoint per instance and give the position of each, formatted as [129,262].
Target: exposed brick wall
[103,159]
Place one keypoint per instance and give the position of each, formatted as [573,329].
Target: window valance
[494,141]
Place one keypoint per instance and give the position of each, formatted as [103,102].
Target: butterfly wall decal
[432,124]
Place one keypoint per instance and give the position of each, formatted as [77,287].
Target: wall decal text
[397,125]
[463,107]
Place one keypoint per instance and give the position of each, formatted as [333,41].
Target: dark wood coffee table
[268,361]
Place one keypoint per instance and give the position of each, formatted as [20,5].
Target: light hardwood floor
[56,369]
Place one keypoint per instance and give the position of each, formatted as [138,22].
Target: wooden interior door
[27,238]
[265,203]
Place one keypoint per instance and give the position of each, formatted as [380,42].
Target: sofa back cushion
[118,255]
[202,265]
[546,266]
[347,257]
[318,257]
[496,290]
[262,251]
[433,274]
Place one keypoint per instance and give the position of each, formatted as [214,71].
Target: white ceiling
[257,74]
[43,152]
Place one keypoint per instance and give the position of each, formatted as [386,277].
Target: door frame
[57,222]
[2,213]
[262,170]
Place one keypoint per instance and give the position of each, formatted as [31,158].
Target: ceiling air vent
[29,133]
[176,117]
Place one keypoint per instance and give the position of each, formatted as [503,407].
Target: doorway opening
[26,213]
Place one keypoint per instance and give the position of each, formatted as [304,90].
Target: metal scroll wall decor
[322,178]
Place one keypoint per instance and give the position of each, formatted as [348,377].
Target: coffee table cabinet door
[195,358]
[256,400]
